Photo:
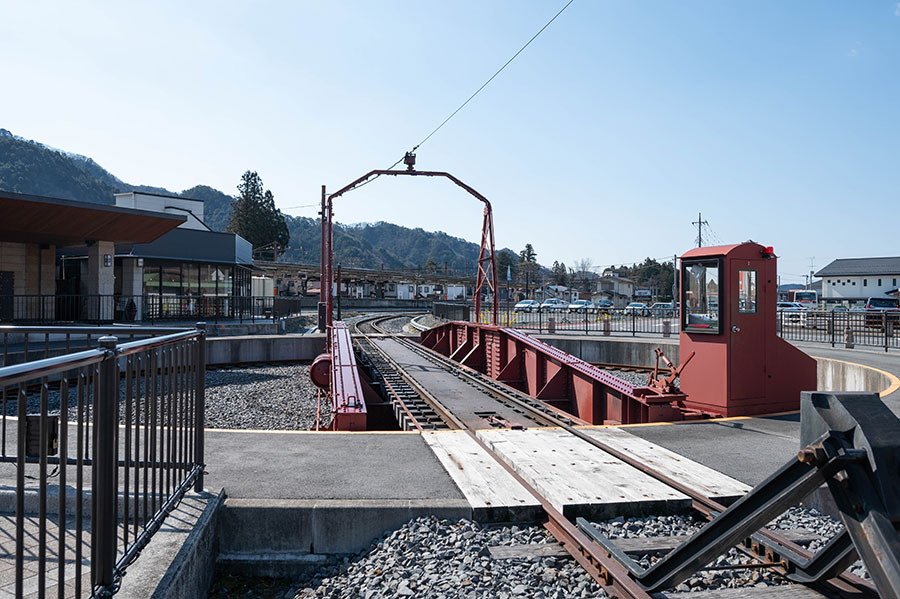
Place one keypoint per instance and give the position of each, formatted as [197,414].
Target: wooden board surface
[493,493]
[580,479]
[703,479]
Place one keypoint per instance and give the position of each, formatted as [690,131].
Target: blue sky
[603,140]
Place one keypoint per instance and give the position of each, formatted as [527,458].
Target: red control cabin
[742,367]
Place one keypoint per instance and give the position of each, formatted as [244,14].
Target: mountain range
[28,166]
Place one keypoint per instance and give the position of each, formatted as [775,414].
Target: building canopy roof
[37,219]
[861,266]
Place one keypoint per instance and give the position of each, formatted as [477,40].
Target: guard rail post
[105,493]
[633,323]
[884,327]
[585,321]
[540,320]
[200,405]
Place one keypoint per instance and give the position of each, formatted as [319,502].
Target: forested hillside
[30,167]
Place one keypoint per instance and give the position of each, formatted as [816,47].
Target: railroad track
[597,560]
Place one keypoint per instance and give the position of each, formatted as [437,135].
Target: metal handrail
[133,347]
[93,330]
[17,373]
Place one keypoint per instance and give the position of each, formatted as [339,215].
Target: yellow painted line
[699,421]
[895,381]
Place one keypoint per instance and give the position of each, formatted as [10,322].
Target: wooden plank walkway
[493,493]
[580,479]
[703,479]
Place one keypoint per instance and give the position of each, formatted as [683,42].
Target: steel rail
[843,584]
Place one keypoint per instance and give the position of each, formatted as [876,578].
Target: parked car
[883,304]
[792,310]
[663,309]
[839,308]
[581,306]
[553,305]
[882,309]
[526,306]
[605,305]
[637,308]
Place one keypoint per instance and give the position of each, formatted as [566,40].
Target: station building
[188,272]
[34,228]
[856,279]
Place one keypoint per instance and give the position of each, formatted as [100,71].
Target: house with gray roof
[855,279]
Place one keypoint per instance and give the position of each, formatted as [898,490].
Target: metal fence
[873,328]
[452,310]
[121,426]
[45,309]
[604,322]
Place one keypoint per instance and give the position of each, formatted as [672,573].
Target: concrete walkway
[325,465]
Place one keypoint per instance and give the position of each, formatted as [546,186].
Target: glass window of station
[165,278]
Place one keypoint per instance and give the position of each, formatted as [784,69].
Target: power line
[469,99]
[500,70]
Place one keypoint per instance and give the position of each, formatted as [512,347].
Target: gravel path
[441,559]
[267,397]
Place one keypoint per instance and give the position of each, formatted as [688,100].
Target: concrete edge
[291,531]
[179,561]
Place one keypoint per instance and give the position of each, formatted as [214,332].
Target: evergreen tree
[254,215]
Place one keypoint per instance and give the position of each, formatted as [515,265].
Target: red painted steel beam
[552,375]
[348,406]
[487,257]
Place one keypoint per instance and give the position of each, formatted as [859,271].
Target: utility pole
[812,268]
[700,222]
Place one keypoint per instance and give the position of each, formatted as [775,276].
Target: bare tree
[584,273]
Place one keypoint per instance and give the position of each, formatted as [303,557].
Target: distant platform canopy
[68,223]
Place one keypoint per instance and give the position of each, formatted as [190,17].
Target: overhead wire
[471,97]
[492,77]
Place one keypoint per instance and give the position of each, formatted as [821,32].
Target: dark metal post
[322,267]
[884,328]
[200,405]
[832,328]
[633,323]
[105,492]
[586,320]
[339,291]
[540,319]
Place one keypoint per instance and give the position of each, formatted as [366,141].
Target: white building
[192,209]
[618,289]
[855,279]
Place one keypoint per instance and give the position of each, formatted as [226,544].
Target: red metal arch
[487,262]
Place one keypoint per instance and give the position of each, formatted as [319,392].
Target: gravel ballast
[444,559]
[263,397]
[663,526]
[273,397]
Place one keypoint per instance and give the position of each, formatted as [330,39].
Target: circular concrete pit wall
[838,375]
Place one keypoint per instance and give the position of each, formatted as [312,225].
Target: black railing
[609,321]
[121,425]
[869,328]
[46,309]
